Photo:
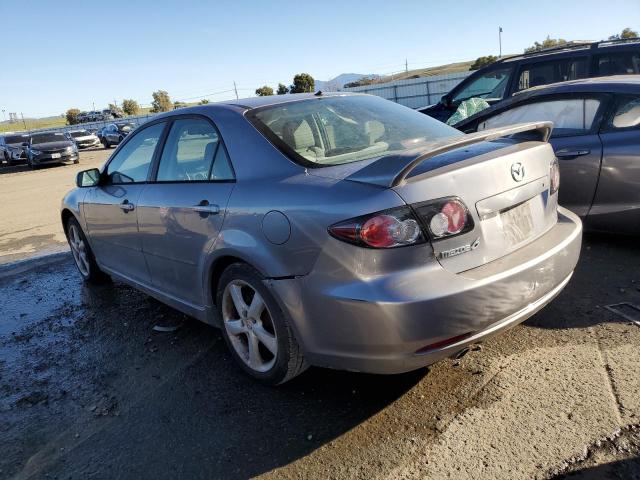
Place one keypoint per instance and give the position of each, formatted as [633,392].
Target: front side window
[626,114]
[131,163]
[189,153]
[490,85]
[544,73]
[342,129]
[574,116]
[623,63]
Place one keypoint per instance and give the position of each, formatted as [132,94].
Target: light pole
[500,41]
[4,119]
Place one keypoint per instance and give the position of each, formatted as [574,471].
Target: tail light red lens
[445,217]
[387,229]
[554,175]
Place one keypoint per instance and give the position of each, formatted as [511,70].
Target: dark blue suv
[509,75]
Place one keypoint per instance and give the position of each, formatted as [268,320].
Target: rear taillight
[445,217]
[554,175]
[387,229]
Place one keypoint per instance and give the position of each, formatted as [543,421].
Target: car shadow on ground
[123,399]
[613,263]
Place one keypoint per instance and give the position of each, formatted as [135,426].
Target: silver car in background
[336,230]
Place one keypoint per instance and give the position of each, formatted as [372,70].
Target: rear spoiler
[391,171]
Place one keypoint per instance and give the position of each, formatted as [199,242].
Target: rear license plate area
[517,223]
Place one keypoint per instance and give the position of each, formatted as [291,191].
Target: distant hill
[338,82]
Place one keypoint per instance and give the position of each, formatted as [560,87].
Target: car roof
[571,48]
[614,84]
[244,104]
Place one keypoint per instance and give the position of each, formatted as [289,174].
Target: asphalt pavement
[90,390]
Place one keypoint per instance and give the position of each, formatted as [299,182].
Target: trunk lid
[504,183]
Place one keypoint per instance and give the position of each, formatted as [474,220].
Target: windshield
[47,137]
[16,139]
[336,130]
[490,84]
[79,133]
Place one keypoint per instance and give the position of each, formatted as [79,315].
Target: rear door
[616,206]
[110,209]
[180,214]
[575,140]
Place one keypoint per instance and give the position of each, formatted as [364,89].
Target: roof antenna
[318,93]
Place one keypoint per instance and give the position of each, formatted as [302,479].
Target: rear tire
[83,255]
[255,329]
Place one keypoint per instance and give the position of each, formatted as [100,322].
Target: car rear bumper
[409,319]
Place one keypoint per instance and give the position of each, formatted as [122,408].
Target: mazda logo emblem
[517,171]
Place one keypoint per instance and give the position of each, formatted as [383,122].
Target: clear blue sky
[62,54]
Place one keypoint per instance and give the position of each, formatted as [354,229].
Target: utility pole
[236,89]
[23,122]
[94,106]
[4,119]
[500,41]
[406,66]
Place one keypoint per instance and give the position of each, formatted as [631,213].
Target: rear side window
[622,63]
[544,73]
[193,152]
[131,163]
[573,116]
[626,114]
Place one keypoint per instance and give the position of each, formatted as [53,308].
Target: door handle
[126,206]
[205,207]
[569,154]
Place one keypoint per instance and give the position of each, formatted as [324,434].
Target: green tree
[302,82]
[161,102]
[130,106]
[204,101]
[360,82]
[546,43]
[626,33]
[282,89]
[72,116]
[264,91]
[483,62]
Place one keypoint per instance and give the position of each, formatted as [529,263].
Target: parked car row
[25,147]
[98,116]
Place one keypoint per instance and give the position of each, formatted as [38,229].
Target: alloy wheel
[78,250]
[249,325]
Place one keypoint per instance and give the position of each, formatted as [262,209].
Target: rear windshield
[47,137]
[336,130]
[79,133]
[16,139]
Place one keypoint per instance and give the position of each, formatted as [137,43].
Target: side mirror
[445,101]
[88,178]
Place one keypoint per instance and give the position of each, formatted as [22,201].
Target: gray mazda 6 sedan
[343,231]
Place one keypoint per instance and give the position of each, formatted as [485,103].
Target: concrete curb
[21,266]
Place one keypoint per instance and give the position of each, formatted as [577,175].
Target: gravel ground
[31,206]
[89,390]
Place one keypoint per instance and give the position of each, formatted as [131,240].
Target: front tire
[105,143]
[83,255]
[255,329]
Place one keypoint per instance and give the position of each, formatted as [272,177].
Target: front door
[110,209]
[616,206]
[181,213]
